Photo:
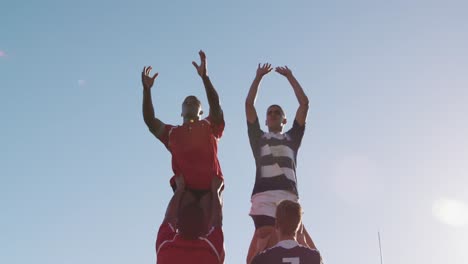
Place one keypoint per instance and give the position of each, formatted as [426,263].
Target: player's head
[275,118]
[191,108]
[288,217]
[191,221]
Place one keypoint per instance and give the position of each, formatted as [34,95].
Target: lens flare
[451,212]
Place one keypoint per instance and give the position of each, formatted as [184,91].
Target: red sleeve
[217,129]
[216,238]
[166,233]
[164,137]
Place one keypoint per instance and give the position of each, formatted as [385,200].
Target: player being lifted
[275,156]
[194,144]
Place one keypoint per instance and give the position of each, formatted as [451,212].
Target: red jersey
[194,149]
[171,248]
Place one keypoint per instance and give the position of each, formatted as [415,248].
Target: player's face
[191,107]
[275,118]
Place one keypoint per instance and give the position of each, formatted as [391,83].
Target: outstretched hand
[285,71]
[201,69]
[146,79]
[264,69]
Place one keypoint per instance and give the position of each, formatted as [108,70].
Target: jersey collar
[288,244]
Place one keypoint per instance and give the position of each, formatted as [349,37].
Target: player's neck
[275,130]
[188,120]
[287,237]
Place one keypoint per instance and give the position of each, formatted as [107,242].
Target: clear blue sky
[83,181]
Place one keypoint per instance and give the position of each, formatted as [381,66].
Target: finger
[155,75]
[258,66]
[202,55]
[195,65]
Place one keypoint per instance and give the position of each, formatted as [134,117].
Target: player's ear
[284,121]
[201,112]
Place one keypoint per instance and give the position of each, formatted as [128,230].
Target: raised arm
[173,206]
[304,238]
[250,111]
[155,125]
[216,112]
[301,114]
[216,203]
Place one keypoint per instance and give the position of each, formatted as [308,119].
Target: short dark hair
[191,221]
[280,108]
[288,217]
[193,96]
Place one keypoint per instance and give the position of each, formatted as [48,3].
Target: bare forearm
[213,98]
[304,238]
[252,95]
[217,216]
[298,91]
[173,206]
[148,110]
[155,125]
[250,110]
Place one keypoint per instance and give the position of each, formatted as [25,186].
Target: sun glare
[451,212]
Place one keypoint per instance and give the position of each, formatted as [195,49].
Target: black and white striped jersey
[275,157]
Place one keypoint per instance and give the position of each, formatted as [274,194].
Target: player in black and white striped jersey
[288,250]
[275,154]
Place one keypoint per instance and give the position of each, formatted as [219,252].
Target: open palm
[146,79]
[285,71]
[263,69]
[201,69]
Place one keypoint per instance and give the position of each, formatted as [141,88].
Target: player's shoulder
[207,119]
[260,258]
[272,251]
[313,255]
[171,128]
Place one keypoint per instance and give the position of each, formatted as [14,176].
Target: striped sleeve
[255,133]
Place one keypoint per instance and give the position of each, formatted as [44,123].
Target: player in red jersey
[194,144]
[183,236]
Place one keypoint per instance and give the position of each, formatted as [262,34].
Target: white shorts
[265,203]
